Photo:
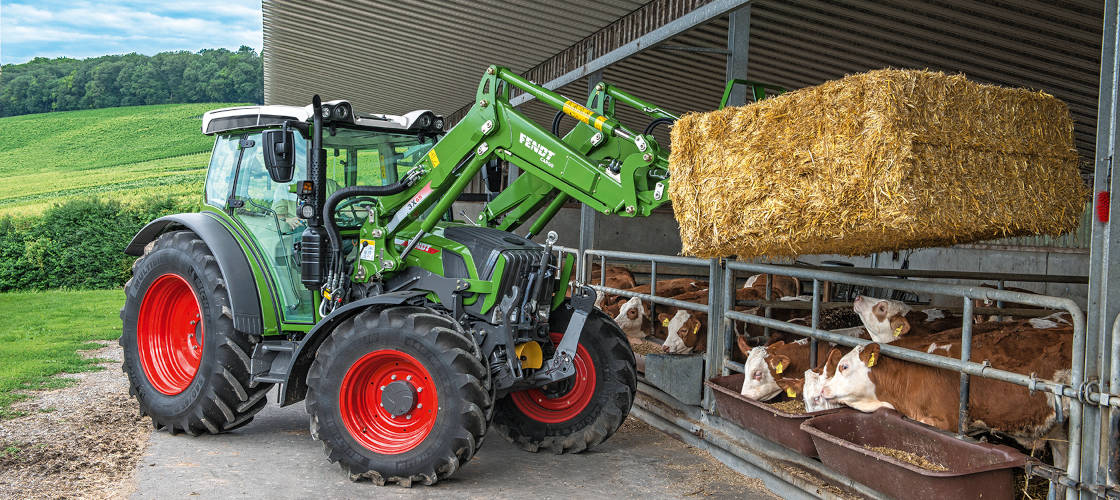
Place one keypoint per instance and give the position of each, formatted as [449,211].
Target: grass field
[43,333]
[123,154]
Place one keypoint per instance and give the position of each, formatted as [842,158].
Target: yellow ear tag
[695,328]
[778,369]
[898,331]
[664,322]
[790,392]
[871,360]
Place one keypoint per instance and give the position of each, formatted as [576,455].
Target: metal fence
[1082,392]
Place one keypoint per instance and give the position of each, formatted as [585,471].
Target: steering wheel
[349,214]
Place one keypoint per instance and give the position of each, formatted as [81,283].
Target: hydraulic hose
[349,192]
[659,121]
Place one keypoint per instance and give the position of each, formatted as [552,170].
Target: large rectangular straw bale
[877,161]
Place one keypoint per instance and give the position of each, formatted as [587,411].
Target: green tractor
[325,261]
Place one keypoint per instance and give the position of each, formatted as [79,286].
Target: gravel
[82,441]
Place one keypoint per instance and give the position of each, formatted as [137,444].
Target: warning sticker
[369,250]
[432,156]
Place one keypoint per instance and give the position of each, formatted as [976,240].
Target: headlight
[326,112]
[341,112]
[439,123]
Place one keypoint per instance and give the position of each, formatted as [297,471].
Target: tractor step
[270,361]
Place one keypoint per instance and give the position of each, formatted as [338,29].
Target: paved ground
[275,457]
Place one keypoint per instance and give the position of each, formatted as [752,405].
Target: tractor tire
[186,365]
[583,411]
[400,395]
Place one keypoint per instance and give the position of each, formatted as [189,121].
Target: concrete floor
[275,457]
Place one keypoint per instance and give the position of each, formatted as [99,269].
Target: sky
[90,28]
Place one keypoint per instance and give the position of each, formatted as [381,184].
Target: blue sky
[81,28]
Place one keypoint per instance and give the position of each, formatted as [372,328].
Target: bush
[78,244]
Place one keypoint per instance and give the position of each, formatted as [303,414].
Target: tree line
[63,84]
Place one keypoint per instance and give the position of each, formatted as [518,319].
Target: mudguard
[244,301]
[295,383]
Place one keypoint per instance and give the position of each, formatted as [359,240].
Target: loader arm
[600,163]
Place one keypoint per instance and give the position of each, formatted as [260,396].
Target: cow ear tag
[778,369]
[790,392]
[696,328]
[664,322]
[898,331]
[871,360]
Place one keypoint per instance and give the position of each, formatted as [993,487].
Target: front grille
[519,265]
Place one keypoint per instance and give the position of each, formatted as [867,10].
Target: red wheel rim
[360,397]
[557,408]
[169,334]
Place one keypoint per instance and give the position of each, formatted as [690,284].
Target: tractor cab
[361,150]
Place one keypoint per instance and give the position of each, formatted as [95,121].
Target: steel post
[738,45]
[966,354]
[713,358]
[1104,257]
[815,322]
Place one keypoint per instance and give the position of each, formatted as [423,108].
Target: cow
[764,365]
[665,288]
[686,334]
[617,277]
[887,320]
[780,286]
[867,381]
[632,318]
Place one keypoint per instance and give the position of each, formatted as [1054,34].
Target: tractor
[325,262]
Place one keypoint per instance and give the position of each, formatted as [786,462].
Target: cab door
[266,212]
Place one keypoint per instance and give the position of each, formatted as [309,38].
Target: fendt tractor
[325,260]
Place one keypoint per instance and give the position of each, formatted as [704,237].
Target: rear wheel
[186,366]
[584,410]
[399,395]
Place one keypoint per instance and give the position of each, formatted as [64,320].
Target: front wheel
[399,395]
[578,413]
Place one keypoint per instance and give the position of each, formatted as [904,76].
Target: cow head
[759,383]
[814,383]
[674,342]
[851,384]
[629,317]
[884,319]
[792,387]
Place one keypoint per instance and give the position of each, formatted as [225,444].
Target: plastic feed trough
[762,419]
[975,470]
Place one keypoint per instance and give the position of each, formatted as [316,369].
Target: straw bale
[878,161]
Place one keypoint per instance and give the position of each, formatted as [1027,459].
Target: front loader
[325,261]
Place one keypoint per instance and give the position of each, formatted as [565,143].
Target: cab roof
[251,117]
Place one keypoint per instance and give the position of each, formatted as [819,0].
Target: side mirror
[279,154]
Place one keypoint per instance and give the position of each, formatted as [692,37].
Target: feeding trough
[906,459]
[761,418]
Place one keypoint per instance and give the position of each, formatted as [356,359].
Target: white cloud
[48,26]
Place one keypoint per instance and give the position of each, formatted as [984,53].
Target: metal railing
[1080,391]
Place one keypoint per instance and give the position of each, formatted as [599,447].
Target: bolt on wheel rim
[555,407]
[169,334]
[362,402]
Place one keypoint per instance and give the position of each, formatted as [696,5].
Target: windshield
[365,158]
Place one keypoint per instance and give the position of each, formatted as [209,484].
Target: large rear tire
[186,365]
[399,395]
[581,412]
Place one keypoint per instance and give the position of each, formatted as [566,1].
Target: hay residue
[878,161]
[643,347]
[791,406]
[910,458]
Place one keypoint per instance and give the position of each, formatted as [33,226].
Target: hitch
[560,366]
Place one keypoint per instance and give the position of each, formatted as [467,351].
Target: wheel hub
[388,401]
[170,334]
[398,398]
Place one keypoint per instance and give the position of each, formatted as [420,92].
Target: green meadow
[125,154]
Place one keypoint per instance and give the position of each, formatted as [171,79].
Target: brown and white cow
[632,318]
[867,381]
[686,332]
[765,365]
[887,320]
